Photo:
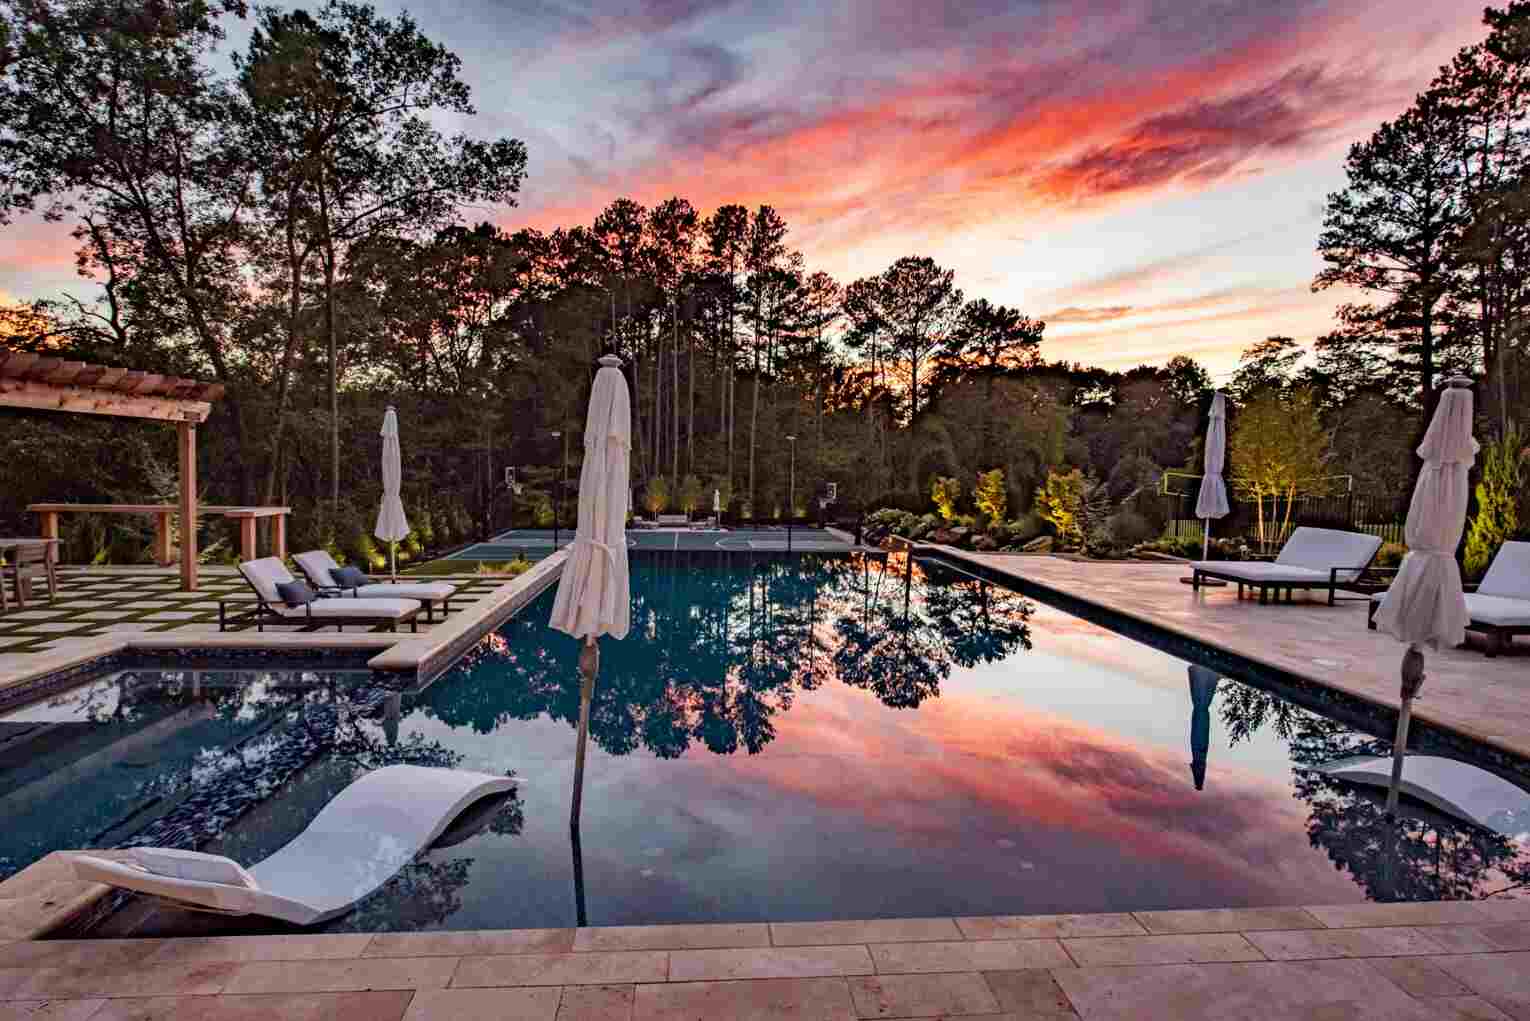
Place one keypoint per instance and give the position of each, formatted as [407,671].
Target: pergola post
[188,451]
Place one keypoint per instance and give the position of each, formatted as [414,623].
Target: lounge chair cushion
[264,575]
[1498,611]
[1320,549]
[1509,573]
[295,593]
[1257,572]
[433,590]
[346,608]
[204,868]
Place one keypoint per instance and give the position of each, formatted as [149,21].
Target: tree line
[293,223]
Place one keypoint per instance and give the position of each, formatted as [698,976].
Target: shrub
[945,491]
[1058,501]
[1128,528]
[1391,554]
[991,496]
[1497,519]
[656,495]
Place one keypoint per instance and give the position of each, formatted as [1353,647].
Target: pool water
[796,738]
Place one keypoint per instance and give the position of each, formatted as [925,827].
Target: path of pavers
[1374,962]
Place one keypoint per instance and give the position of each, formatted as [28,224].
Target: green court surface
[534,544]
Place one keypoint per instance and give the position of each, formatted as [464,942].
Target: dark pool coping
[1350,708]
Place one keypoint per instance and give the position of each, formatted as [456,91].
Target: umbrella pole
[1412,681]
[1205,538]
[393,560]
[589,664]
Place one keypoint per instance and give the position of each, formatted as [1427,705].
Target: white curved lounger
[1453,787]
[357,843]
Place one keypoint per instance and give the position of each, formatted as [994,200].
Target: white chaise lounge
[1455,788]
[354,845]
[1500,606]
[319,567]
[1312,558]
[265,574]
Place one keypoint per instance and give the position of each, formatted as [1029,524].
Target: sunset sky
[1148,175]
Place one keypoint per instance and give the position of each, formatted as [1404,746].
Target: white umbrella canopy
[1212,501]
[594,592]
[392,526]
[594,597]
[1425,604]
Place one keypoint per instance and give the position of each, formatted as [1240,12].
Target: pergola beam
[93,400]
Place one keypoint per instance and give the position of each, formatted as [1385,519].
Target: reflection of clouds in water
[724,653]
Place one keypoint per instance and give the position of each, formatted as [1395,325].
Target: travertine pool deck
[1486,699]
[1399,962]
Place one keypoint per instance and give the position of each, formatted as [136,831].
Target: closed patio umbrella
[1203,688]
[594,594]
[392,525]
[1212,501]
[1425,605]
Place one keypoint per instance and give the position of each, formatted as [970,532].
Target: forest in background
[293,224]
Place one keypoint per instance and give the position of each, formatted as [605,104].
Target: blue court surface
[535,543]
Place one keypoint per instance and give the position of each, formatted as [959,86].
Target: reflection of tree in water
[725,643]
[1422,855]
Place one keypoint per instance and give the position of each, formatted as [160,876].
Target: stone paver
[470,943]
[769,962]
[357,1006]
[1488,699]
[971,955]
[922,995]
[535,1004]
[1186,949]
[672,937]
[885,930]
[1313,943]
[596,1003]
[1049,926]
[596,969]
[789,999]
[51,1010]
[1224,920]
[1032,993]
[313,976]
[1191,992]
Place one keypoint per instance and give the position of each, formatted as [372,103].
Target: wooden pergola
[54,384]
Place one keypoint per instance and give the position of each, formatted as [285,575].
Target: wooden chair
[32,562]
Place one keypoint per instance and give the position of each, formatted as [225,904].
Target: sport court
[535,543]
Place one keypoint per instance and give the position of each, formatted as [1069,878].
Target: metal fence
[1352,512]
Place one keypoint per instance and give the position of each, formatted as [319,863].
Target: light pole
[562,480]
[791,493]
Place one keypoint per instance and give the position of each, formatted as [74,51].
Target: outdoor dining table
[8,544]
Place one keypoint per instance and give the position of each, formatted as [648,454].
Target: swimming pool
[815,737]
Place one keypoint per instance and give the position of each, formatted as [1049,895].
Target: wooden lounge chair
[354,845]
[319,567]
[1313,558]
[1499,605]
[265,574]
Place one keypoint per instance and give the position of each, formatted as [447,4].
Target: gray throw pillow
[350,577]
[294,593]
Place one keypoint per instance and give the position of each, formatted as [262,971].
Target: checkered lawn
[95,603]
